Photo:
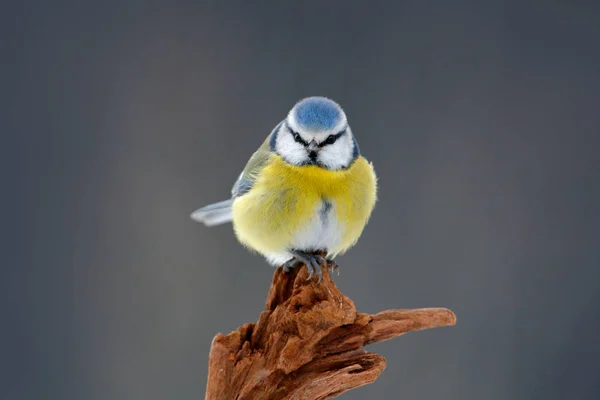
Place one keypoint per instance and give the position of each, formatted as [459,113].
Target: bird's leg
[313,263]
[333,267]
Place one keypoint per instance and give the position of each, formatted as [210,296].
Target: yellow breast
[284,197]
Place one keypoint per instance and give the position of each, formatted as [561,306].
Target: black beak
[313,147]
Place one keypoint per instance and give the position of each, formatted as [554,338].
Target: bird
[306,195]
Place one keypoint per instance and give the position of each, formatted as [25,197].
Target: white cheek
[337,155]
[292,151]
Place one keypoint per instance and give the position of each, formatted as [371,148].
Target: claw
[319,262]
[290,265]
[333,266]
[313,263]
[311,270]
[317,268]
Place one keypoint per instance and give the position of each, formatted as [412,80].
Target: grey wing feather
[256,163]
[220,213]
[241,186]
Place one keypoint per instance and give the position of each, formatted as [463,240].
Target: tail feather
[214,214]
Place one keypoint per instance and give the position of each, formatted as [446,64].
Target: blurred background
[121,117]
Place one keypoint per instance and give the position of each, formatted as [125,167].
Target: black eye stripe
[331,138]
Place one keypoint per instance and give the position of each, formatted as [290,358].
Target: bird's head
[316,132]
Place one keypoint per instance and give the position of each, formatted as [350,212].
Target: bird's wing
[256,163]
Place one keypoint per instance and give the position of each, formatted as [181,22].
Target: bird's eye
[297,137]
[330,139]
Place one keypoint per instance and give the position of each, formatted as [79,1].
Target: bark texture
[307,343]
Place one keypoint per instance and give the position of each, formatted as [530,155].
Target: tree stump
[307,343]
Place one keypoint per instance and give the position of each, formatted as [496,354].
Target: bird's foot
[313,263]
[333,267]
[290,265]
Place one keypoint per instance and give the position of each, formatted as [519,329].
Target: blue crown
[317,113]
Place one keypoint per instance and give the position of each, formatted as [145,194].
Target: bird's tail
[214,214]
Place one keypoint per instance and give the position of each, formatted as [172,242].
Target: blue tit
[306,190]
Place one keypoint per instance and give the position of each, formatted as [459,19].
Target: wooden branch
[307,344]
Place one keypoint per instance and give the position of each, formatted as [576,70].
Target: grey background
[121,117]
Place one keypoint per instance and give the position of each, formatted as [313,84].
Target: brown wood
[307,343]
